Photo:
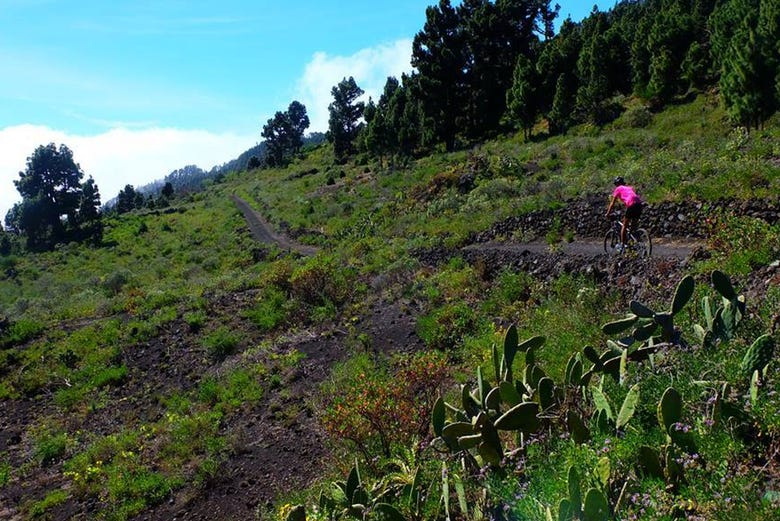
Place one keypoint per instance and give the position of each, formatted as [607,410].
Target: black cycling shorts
[634,211]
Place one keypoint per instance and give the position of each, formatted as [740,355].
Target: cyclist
[633,205]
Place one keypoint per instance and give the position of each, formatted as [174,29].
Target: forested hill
[191,178]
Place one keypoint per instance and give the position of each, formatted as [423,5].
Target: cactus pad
[682,294]
[618,326]
[669,409]
[723,285]
[758,355]
[596,507]
[521,417]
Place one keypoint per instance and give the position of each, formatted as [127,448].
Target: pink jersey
[626,194]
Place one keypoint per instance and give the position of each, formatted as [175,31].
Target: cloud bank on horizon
[138,155]
[117,157]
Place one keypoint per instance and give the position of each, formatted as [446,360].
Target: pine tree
[558,56]
[406,118]
[51,190]
[640,54]
[769,30]
[592,67]
[668,42]
[745,54]
[344,120]
[439,55]
[89,215]
[521,97]
[126,199]
[560,116]
[380,137]
[748,97]
[284,134]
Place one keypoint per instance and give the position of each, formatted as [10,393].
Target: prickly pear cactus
[575,494]
[730,313]
[574,370]
[669,409]
[758,355]
[618,326]
[650,462]
[628,408]
[596,507]
[577,429]
[682,294]
[522,417]
[723,285]
[297,513]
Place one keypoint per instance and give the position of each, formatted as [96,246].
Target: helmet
[619,181]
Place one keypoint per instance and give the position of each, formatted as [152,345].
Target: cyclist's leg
[623,228]
[631,219]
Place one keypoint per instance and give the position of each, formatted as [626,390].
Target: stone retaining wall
[672,220]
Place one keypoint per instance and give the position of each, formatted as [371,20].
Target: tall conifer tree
[439,55]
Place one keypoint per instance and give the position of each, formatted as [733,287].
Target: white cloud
[117,157]
[369,67]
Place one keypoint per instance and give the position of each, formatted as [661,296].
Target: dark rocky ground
[274,452]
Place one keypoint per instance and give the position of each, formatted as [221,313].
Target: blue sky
[139,88]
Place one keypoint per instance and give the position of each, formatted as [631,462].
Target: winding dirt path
[262,231]
[589,247]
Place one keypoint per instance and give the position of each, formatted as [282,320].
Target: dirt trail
[586,247]
[262,231]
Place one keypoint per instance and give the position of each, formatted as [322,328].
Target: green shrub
[20,331]
[278,274]
[52,500]
[136,489]
[109,376]
[445,328]
[221,343]
[117,280]
[742,244]
[195,320]
[321,280]
[270,311]
[237,388]
[8,263]
[637,117]
[511,288]
[50,446]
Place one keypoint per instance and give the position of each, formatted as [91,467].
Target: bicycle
[637,240]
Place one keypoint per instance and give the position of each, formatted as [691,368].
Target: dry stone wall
[673,220]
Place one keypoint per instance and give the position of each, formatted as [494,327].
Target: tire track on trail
[263,233]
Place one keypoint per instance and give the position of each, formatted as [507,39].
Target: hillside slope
[184,371]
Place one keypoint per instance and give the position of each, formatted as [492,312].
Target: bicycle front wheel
[642,243]
[611,240]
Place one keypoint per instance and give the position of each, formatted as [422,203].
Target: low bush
[321,280]
[221,343]
[446,328]
[270,311]
[379,408]
[19,332]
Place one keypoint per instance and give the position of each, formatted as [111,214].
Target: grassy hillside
[128,372]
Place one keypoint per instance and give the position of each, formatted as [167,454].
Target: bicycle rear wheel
[611,240]
[642,243]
